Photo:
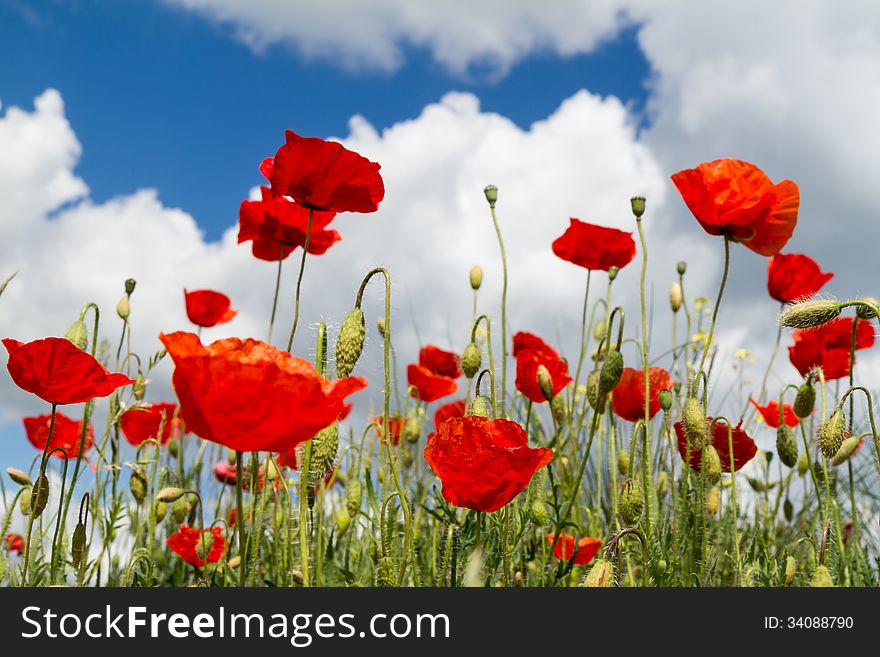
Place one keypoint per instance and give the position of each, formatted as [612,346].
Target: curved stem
[717,303]
[299,278]
[647,471]
[503,313]
[485,319]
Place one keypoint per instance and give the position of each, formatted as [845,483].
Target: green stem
[30,526]
[242,556]
[302,268]
[717,303]
[647,472]
[503,314]
[277,288]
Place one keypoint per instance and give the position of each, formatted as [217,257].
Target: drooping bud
[538,513]
[665,399]
[476,277]
[39,496]
[623,462]
[662,484]
[129,286]
[711,464]
[78,334]
[681,267]
[631,503]
[24,501]
[832,434]
[385,573]
[545,382]
[786,446]
[788,509]
[638,206]
[612,272]
[805,400]
[170,494]
[600,330]
[808,314]
[675,297]
[343,520]
[353,494]
[471,360]
[713,500]
[790,569]
[694,422]
[821,577]
[139,388]
[173,447]
[846,450]
[612,370]
[160,510]
[137,484]
[350,342]
[78,544]
[122,308]
[412,430]
[324,447]
[601,575]
[491,192]
[865,312]
[480,406]
[557,408]
[19,476]
[380,326]
[596,401]
[204,544]
[180,510]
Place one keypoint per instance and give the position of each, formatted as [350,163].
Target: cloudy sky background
[129,134]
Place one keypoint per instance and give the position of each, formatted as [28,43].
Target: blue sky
[162,98]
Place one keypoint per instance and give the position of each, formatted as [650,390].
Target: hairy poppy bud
[790,569]
[324,447]
[681,267]
[865,312]
[596,400]
[846,450]
[78,334]
[476,277]
[471,360]
[129,286]
[788,509]
[821,577]
[173,447]
[805,400]
[180,510]
[665,399]
[545,382]
[786,446]
[122,308]
[350,342]
[713,500]
[675,297]
[612,370]
[380,326]
[638,206]
[24,501]
[204,544]
[412,430]
[808,314]
[78,544]
[137,484]
[557,408]
[353,494]
[480,406]
[623,462]
[160,510]
[18,476]
[385,572]
[631,503]
[39,496]
[712,464]
[139,388]
[538,513]
[613,272]
[170,494]
[694,422]
[600,330]
[491,192]
[601,575]
[662,484]
[832,434]
[343,520]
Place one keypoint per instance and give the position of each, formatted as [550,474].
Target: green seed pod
[78,544]
[665,399]
[19,476]
[491,192]
[601,575]
[350,343]
[545,382]
[129,286]
[638,206]
[711,464]
[538,513]
[790,569]
[786,446]
[476,277]
[713,500]
[803,464]
[78,334]
[631,503]
[846,450]
[480,406]
[623,462]
[385,573]
[694,422]
[612,272]
[353,495]
[180,510]
[596,401]
[324,447]
[612,370]
[39,496]
[137,484]
[139,388]
[170,494]
[788,509]
[805,400]
[160,510]
[832,434]
[821,577]
[681,267]
[471,360]
[662,484]
[343,520]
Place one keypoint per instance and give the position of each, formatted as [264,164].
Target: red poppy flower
[587,548]
[395,427]
[452,409]
[250,396]
[232,518]
[595,247]
[429,386]
[141,423]
[828,346]
[438,361]
[744,448]
[66,434]
[324,175]
[277,226]
[59,372]
[483,463]
[185,540]
[770,413]
[628,398]
[530,352]
[794,276]
[14,543]
[225,472]
[735,198]
[207,308]
[266,166]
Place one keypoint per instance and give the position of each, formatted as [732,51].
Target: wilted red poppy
[531,352]
[483,463]
[250,396]
[277,226]
[208,308]
[828,346]
[794,276]
[744,448]
[324,175]
[59,372]
[14,543]
[628,398]
[185,540]
[66,434]
[452,409]
[595,247]
[429,386]
[395,427]
[770,413]
[736,199]
[587,548]
[438,361]
[141,423]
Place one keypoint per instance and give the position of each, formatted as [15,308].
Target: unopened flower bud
[122,308]
[681,267]
[39,496]
[623,462]
[600,330]
[821,577]
[139,388]
[24,501]
[353,494]
[711,464]
[324,447]
[471,360]
[613,272]
[480,406]
[78,334]
[343,520]
[601,575]
[78,544]
[786,446]
[173,447]
[180,510]
[665,399]
[491,192]
[790,569]
[19,476]
[675,297]
[557,408]
[808,314]
[170,494]
[476,277]
[595,399]
[832,434]
[350,342]
[631,503]
[204,544]
[137,484]
[129,286]
[612,370]
[713,500]
[805,400]
[865,312]
[545,382]
[846,450]
[694,422]
[380,326]
[412,430]
[160,510]
[538,513]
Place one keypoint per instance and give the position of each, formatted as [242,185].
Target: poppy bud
[412,430]
[380,326]
[665,399]
[675,297]
[180,510]
[173,447]
[476,277]
[712,464]
[518,579]
[353,494]
[865,312]
[681,267]
[170,494]
[39,496]
[612,272]
[137,484]
[805,400]
[662,484]
[350,342]
[808,314]
[129,286]
[139,388]
[557,408]
[234,562]
[832,434]
[788,509]
[24,501]
[270,470]
[790,569]
[491,192]
[786,446]
[600,330]
[385,573]
[612,370]
[545,382]
[160,510]
[846,450]
[757,485]
[78,544]
[324,447]
[471,360]
[631,503]
[821,577]
[204,545]
[694,422]
[713,500]
[601,575]
[623,462]
[596,401]
[343,520]
[638,206]
[480,406]
[538,513]
[78,334]
[19,477]
[122,308]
